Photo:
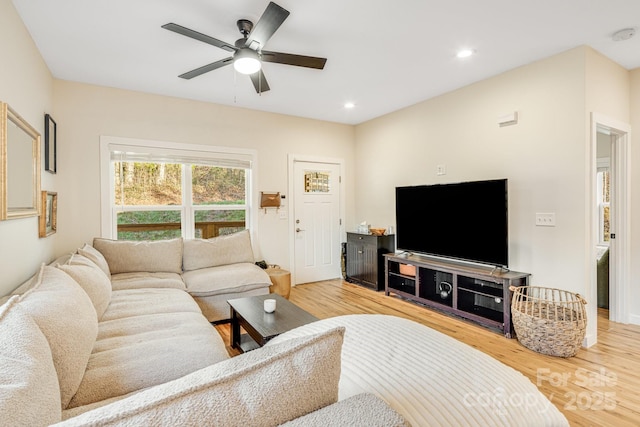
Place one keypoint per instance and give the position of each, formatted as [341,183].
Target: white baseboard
[589,340]
[634,319]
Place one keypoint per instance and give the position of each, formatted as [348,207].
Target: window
[603,199]
[156,192]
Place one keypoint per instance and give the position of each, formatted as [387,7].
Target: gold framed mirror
[19,166]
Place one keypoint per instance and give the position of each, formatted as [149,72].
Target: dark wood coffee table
[260,326]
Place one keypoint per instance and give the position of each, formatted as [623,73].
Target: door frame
[291,160]
[620,247]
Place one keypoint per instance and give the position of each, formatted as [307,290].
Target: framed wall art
[49,216]
[50,144]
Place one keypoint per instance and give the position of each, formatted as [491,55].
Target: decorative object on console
[48,221]
[548,320]
[407,269]
[50,144]
[377,231]
[363,227]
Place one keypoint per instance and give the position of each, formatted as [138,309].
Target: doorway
[316,213]
[605,142]
[614,135]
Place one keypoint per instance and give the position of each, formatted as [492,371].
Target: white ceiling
[381,55]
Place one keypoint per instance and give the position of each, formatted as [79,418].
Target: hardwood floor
[597,387]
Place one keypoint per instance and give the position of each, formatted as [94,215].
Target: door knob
[299,230]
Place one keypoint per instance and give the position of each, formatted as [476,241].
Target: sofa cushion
[29,390]
[140,302]
[224,279]
[364,409]
[140,280]
[125,256]
[133,353]
[92,279]
[94,255]
[221,250]
[65,315]
[264,387]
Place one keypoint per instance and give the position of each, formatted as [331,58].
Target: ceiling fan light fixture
[246,61]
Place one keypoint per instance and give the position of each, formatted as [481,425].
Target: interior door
[316,221]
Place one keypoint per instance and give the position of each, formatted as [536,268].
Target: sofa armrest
[363,409]
[264,387]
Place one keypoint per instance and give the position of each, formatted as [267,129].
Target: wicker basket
[547,320]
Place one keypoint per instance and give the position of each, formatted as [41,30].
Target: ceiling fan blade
[291,59]
[206,68]
[266,26]
[199,36]
[259,82]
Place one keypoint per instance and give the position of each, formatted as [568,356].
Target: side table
[281,281]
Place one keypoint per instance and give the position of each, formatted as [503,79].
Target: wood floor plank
[597,387]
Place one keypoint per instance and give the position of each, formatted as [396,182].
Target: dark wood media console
[480,294]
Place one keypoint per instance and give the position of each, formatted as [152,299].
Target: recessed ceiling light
[624,34]
[465,53]
[349,105]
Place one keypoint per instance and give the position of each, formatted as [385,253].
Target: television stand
[479,294]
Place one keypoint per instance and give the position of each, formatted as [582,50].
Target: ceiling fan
[248,53]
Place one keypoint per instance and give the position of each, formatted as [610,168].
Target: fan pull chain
[235,87]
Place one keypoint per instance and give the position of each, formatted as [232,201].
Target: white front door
[316,221]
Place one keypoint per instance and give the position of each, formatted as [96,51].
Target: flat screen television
[466,221]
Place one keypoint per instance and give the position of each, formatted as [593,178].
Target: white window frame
[108,213]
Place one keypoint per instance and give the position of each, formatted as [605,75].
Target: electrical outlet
[545,219]
[441,170]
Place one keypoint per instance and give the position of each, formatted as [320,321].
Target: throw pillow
[152,256]
[29,391]
[92,279]
[222,250]
[94,255]
[65,315]
[264,387]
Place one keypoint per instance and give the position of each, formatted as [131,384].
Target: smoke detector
[624,34]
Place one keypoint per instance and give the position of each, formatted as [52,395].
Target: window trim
[111,143]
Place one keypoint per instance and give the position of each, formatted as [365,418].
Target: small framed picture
[50,144]
[49,217]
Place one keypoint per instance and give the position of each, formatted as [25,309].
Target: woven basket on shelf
[547,320]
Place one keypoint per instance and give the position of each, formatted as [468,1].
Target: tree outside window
[162,200]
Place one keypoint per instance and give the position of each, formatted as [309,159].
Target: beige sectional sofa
[212,270]
[114,334]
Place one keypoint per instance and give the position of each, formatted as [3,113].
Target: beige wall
[634,295]
[544,156]
[26,85]
[607,95]
[85,113]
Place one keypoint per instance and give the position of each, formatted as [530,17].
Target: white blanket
[431,378]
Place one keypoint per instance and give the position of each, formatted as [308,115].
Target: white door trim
[620,247]
[291,159]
